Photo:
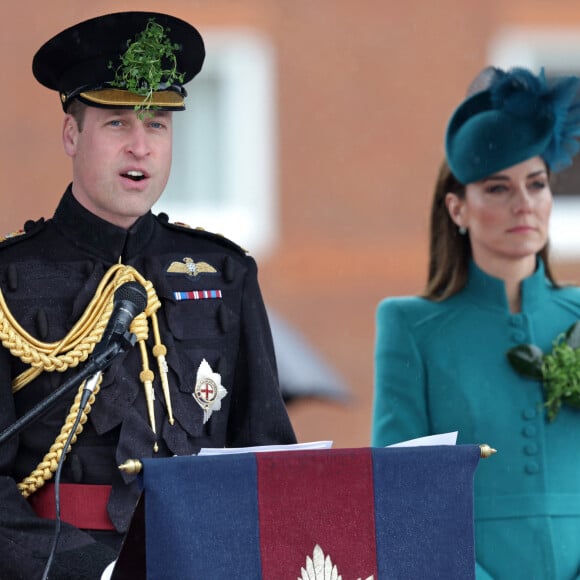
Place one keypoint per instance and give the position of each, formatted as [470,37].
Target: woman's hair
[450,251]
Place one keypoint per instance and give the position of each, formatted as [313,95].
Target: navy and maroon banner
[364,513]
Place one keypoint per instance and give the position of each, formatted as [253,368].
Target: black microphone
[129,300]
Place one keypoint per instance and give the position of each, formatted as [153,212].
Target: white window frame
[558,51]
[244,64]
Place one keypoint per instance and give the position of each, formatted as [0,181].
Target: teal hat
[122,60]
[515,116]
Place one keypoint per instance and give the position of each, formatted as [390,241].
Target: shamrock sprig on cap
[559,370]
[149,64]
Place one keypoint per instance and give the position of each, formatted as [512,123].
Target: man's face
[121,163]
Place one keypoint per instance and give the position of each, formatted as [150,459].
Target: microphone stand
[95,365]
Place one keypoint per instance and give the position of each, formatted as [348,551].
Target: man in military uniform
[205,320]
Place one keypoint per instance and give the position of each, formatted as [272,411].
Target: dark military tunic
[48,276]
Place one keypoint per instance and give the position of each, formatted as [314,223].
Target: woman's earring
[462,230]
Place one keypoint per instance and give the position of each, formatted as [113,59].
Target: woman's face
[506,214]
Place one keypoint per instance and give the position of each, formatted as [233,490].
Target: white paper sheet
[262,448]
[440,439]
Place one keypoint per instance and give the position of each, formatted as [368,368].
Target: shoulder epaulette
[201,232]
[29,229]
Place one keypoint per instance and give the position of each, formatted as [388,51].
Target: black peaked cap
[78,59]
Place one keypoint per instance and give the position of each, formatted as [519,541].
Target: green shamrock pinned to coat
[559,370]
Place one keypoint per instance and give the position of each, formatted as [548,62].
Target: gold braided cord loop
[47,467]
[42,358]
[78,344]
[75,348]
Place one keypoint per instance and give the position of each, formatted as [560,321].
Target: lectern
[394,513]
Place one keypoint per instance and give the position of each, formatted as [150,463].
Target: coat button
[531,449]
[531,467]
[228,269]
[529,413]
[529,431]
[223,319]
[12,277]
[30,225]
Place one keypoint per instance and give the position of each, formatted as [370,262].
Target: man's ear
[70,135]
[455,207]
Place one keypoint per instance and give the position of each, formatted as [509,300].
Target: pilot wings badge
[320,567]
[190,268]
[208,390]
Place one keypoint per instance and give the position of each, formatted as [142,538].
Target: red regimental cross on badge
[207,391]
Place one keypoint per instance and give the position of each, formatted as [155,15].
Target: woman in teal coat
[441,362]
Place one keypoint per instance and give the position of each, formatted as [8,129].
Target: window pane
[224,157]
[197,146]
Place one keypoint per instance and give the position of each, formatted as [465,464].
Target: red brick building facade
[363,91]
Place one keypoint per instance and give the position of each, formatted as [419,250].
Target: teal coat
[442,366]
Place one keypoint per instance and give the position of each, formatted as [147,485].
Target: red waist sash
[84,506]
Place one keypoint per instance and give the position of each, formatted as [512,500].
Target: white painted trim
[241,66]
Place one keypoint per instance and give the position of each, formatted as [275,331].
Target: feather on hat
[512,116]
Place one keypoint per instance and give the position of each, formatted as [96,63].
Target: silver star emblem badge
[208,391]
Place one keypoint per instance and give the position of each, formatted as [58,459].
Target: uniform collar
[91,233]
[490,291]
